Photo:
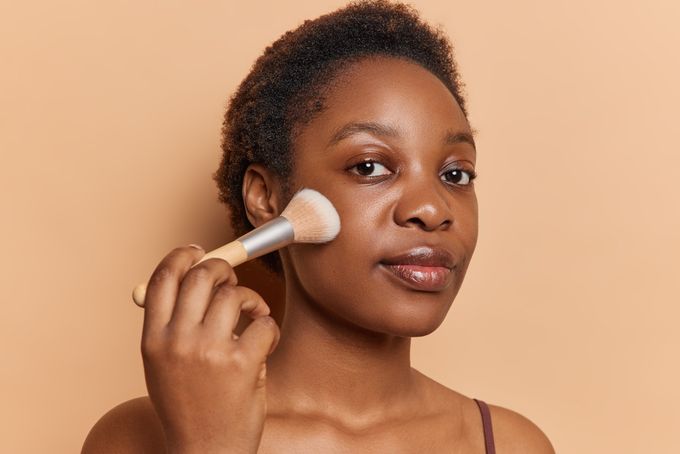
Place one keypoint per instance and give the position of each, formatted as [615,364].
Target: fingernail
[196,246]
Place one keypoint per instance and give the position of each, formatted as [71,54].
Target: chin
[405,319]
[415,324]
[414,330]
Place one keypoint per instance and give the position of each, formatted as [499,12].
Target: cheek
[355,244]
[331,273]
[472,225]
[468,221]
[362,212]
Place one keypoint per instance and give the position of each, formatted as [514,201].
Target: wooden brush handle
[234,253]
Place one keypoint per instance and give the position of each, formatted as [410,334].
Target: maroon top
[488,429]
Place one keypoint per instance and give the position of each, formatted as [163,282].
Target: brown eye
[370,169]
[459,176]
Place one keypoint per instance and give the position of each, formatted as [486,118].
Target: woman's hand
[206,384]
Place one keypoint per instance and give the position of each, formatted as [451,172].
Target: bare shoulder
[514,433]
[131,427]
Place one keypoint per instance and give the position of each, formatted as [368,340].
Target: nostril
[417,221]
[445,224]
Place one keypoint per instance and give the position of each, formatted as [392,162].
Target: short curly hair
[284,89]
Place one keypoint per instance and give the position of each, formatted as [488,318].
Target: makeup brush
[309,217]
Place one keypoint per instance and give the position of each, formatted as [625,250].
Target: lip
[423,268]
[422,256]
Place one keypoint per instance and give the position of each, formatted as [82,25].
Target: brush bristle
[313,217]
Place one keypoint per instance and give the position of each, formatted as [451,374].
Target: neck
[326,367]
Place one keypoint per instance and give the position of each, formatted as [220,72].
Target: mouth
[423,268]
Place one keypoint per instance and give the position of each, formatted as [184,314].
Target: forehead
[390,91]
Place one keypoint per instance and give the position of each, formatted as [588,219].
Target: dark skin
[340,379]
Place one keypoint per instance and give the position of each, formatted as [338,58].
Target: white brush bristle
[313,217]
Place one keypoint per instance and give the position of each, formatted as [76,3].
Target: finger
[163,285]
[225,309]
[260,338]
[196,290]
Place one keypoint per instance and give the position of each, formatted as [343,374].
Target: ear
[260,194]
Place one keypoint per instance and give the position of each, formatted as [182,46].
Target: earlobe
[260,194]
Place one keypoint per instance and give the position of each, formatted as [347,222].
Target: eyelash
[471,173]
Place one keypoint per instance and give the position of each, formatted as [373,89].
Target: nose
[423,205]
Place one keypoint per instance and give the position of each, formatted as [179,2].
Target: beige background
[110,116]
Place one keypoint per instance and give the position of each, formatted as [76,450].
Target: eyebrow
[383,130]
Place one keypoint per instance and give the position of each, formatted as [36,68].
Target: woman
[365,106]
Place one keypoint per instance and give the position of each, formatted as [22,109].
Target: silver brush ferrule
[268,237]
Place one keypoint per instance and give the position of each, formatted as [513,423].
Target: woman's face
[393,152]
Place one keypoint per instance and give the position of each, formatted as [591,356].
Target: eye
[369,169]
[459,176]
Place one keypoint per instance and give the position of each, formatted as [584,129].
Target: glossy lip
[422,256]
[423,268]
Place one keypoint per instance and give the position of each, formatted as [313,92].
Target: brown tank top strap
[488,429]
